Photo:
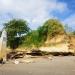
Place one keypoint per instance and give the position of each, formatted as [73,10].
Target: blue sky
[36,12]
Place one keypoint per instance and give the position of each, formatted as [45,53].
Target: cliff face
[57,39]
[60,43]
[72,42]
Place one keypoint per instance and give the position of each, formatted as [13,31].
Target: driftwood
[14,55]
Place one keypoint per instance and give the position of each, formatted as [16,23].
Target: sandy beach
[42,66]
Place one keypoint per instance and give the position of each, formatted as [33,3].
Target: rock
[50,58]
[16,62]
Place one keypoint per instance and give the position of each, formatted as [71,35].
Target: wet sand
[43,66]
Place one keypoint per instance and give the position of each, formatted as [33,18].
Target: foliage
[73,32]
[15,28]
[38,37]
[51,28]
[0,33]
[32,39]
[42,33]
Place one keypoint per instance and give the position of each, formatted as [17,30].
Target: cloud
[70,21]
[34,11]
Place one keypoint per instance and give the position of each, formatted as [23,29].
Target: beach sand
[60,65]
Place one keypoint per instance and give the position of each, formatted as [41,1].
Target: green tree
[0,33]
[15,28]
[32,39]
[51,28]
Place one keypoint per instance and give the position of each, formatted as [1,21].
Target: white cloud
[70,21]
[62,7]
[35,11]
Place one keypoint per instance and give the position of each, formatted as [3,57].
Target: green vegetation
[32,38]
[49,29]
[0,33]
[15,29]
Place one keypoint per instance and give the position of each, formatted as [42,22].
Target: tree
[32,39]
[0,33]
[15,28]
[37,38]
[51,28]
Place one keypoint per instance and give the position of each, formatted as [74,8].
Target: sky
[36,12]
